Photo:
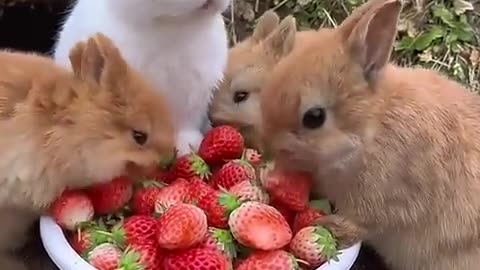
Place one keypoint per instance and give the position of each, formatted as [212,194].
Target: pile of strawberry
[221,208]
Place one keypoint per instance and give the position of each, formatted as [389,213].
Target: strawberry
[81,241]
[221,144]
[249,190]
[196,259]
[316,210]
[190,165]
[181,226]
[259,226]
[262,260]
[198,189]
[220,240]
[105,257]
[143,199]
[135,229]
[217,206]
[177,192]
[292,189]
[163,176]
[71,209]
[110,197]
[147,255]
[288,214]
[233,172]
[315,245]
[253,157]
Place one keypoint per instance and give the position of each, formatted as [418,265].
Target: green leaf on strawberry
[325,239]
[322,205]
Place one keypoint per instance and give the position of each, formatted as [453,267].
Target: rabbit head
[320,109]
[112,121]
[250,63]
[169,10]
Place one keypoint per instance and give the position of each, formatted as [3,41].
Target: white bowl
[66,258]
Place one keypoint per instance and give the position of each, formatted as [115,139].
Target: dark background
[32,26]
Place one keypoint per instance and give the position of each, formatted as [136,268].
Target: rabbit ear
[76,55]
[357,14]
[100,62]
[265,25]
[282,40]
[370,42]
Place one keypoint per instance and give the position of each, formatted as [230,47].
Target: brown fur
[399,152]
[62,130]
[250,64]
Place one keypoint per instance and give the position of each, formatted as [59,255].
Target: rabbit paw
[188,140]
[345,231]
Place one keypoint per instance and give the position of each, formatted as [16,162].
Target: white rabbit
[181,46]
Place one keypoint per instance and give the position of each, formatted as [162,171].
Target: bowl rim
[53,239]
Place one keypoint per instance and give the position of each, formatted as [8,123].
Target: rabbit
[396,149]
[65,129]
[180,46]
[249,65]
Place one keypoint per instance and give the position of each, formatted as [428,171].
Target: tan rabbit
[250,64]
[68,130]
[396,149]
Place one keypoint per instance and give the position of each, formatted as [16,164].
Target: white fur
[178,45]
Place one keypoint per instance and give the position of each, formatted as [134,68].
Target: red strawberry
[314,245]
[249,190]
[292,189]
[253,157]
[105,257]
[288,214]
[221,144]
[135,229]
[71,209]
[220,240]
[217,206]
[163,176]
[81,241]
[190,165]
[259,226]
[316,210]
[234,172]
[196,259]
[147,255]
[262,260]
[86,237]
[177,192]
[182,226]
[143,200]
[198,189]
[110,197]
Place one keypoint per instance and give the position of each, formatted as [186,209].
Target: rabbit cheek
[140,163]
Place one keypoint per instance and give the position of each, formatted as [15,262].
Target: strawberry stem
[225,239]
[327,243]
[199,166]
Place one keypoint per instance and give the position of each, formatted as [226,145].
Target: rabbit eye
[240,96]
[139,137]
[314,118]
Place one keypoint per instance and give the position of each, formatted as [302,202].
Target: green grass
[441,35]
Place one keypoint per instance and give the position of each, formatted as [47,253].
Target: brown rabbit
[250,64]
[396,149]
[68,130]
